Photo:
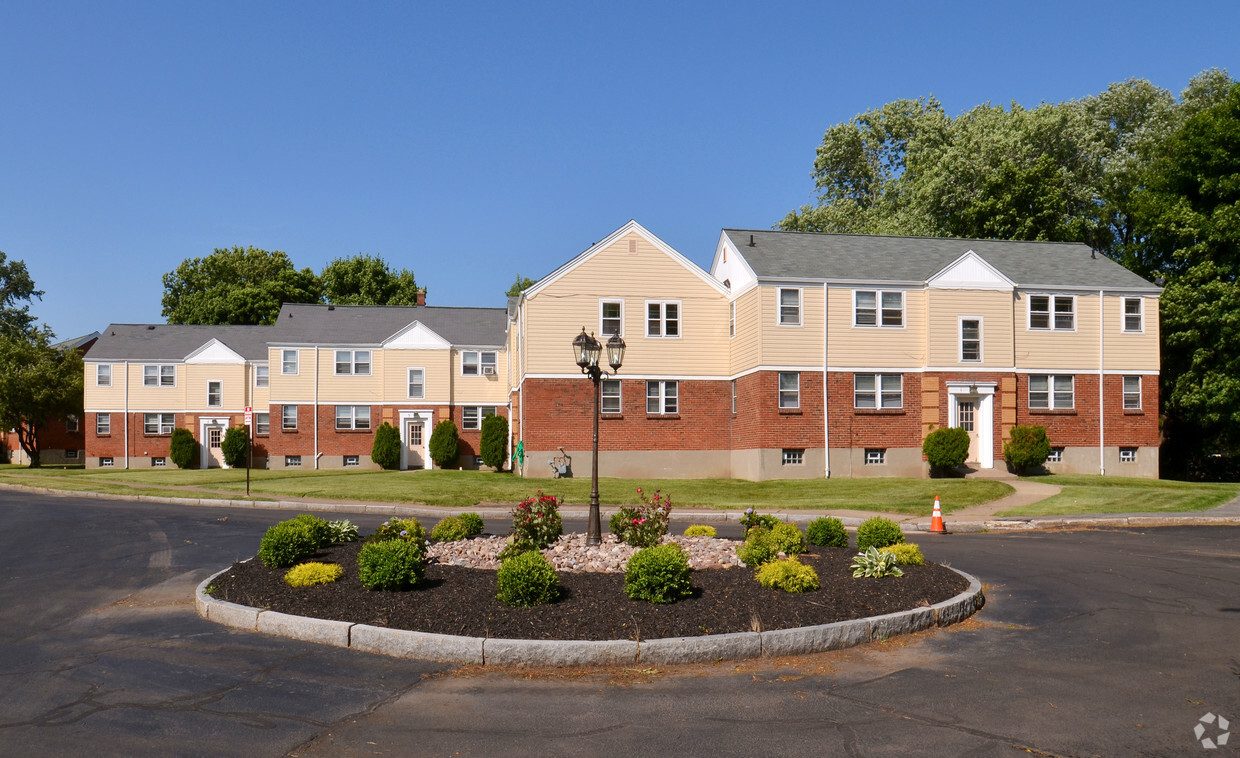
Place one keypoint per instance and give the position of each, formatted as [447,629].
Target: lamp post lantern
[587,350]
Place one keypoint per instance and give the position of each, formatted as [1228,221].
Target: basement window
[1056,455]
[106,463]
[352,460]
[159,463]
[875,456]
[292,461]
[794,457]
[1127,455]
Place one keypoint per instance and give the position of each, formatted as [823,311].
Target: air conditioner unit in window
[488,371]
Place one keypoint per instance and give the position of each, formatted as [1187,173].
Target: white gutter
[1102,326]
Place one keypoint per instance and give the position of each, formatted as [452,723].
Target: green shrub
[643,525]
[527,579]
[753,518]
[875,564]
[385,452]
[788,539]
[658,574]
[391,564]
[789,575]
[945,449]
[1027,449]
[473,524]
[236,446]
[408,529]
[450,529]
[878,532]
[493,448]
[445,444]
[343,530]
[287,543]
[758,547]
[827,531]
[536,522]
[309,574]
[701,530]
[183,448]
[906,553]
[319,528]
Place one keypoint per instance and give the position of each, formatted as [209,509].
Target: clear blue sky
[471,141]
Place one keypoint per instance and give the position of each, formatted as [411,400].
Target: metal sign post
[249,425]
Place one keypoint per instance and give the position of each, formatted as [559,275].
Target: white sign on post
[249,415]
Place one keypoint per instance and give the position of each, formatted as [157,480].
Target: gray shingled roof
[173,342]
[372,324]
[805,255]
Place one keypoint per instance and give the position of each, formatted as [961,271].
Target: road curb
[445,648]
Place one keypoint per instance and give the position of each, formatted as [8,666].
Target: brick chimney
[421,296]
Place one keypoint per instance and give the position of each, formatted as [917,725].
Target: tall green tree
[520,285]
[367,280]
[238,285]
[39,384]
[16,293]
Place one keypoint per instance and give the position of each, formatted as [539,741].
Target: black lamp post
[587,350]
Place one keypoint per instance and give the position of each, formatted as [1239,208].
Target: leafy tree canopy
[39,384]
[16,288]
[236,286]
[520,285]
[367,280]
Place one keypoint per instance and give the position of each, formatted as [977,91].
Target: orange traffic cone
[936,521]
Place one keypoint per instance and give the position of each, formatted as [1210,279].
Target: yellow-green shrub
[309,574]
[789,575]
[906,553]
[701,530]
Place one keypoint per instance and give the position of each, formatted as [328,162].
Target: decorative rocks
[570,553]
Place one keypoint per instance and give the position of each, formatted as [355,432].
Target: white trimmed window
[103,424]
[789,306]
[103,375]
[159,462]
[875,456]
[662,318]
[1052,312]
[262,423]
[734,396]
[1134,315]
[472,415]
[611,396]
[662,397]
[1127,455]
[292,461]
[352,460]
[611,317]
[417,384]
[352,363]
[1056,455]
[1132,393]
[732,319]
[793,456]
[107,462]
[970,339]
[288,418]
[352,416]
[159,376]
[878,390]
[158,423]
[789,389]
[478,363]
[215,395]
[262,376]
[288,362]
[1051,392]
[878,308]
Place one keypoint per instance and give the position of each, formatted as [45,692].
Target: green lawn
[1116,494]
[467,488]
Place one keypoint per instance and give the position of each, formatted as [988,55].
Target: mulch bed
[592,606]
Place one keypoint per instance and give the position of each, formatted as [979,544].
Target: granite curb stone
[402,643]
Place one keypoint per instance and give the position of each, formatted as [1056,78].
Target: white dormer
[417,336]
[970,272]
[214,352]
[731,267]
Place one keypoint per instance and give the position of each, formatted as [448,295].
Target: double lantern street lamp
[587,350]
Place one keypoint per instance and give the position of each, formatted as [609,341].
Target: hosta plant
[343,530]
[875,564]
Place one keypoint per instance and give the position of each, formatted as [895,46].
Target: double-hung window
[789,389]
[417,384]
[611,318]
[352,416]
[288,362]
[878,391]
[472,415]
[1053,312]
[662,397]
[732,319]
[789,306]
[103,424]
[262,423]
[1134,315]
[262,376]
[478,363]
[159,376]
[1132,393]
[1050,392]
[611,396]
[103,375]
[158,423]
[878,308]
[353,362]
[288,418]
[662,318]
[970,340]
[215,395]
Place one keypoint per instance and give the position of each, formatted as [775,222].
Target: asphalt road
[1107,643]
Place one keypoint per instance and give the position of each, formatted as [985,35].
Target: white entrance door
[415,443]
[966,418]
[214,446]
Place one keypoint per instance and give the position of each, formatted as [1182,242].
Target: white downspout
[1102,325]
[316,407]
[126,415]
[826,422]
